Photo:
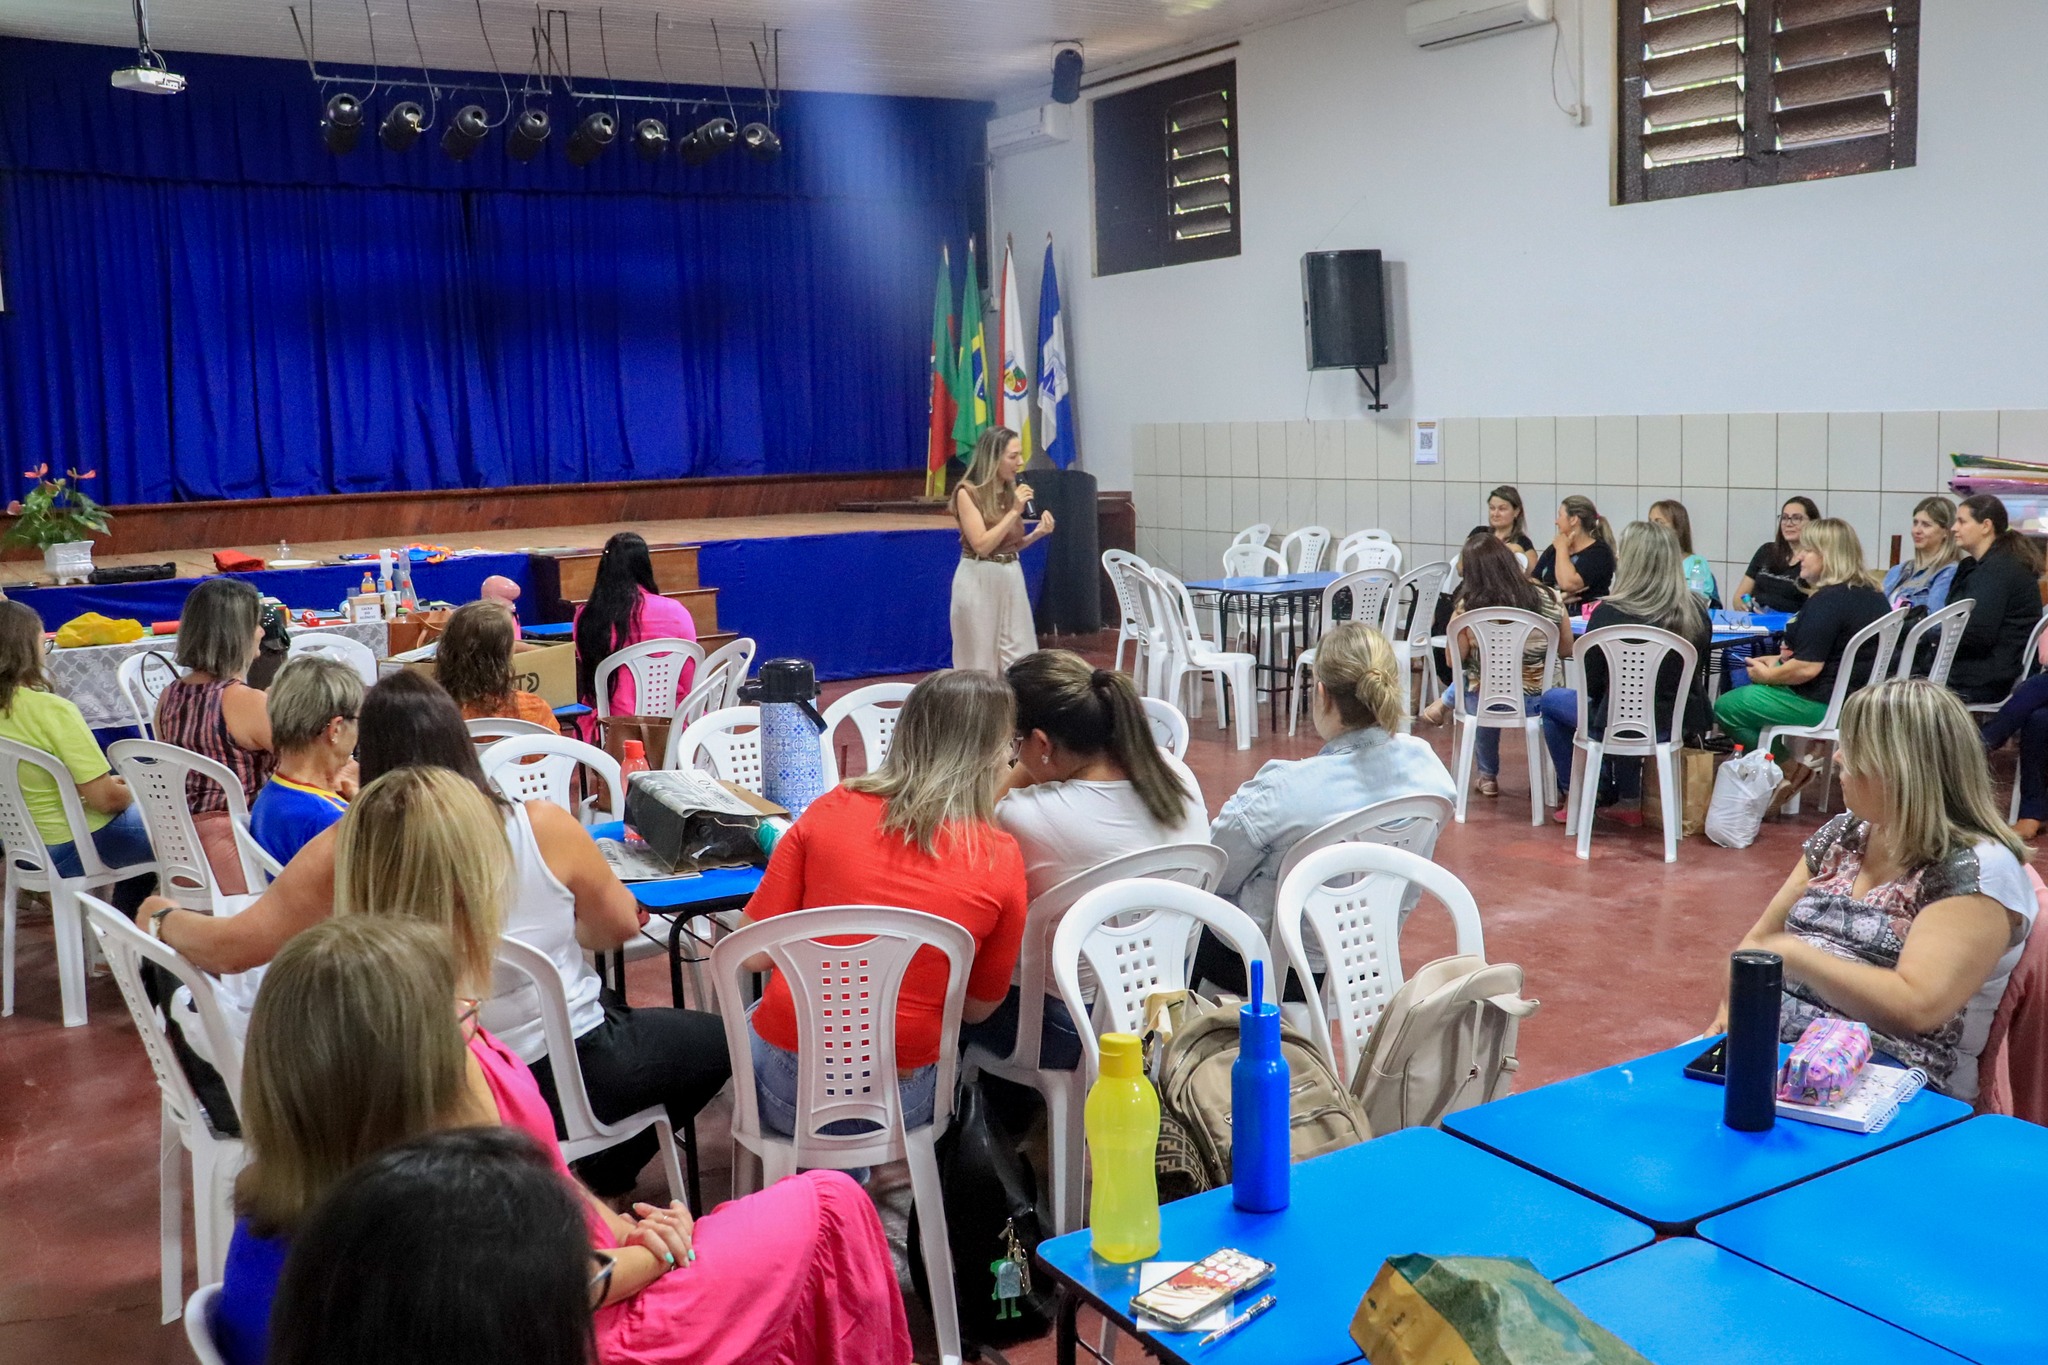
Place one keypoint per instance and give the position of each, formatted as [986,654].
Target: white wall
[1521,290]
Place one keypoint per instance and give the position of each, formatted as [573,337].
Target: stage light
[591,137]
[529,134]
[650,139]
[342,123]
[1066,73]
[401,127]
[466,132]
[707,140]
[761,142]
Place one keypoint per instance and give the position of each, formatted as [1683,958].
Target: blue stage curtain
[203,303]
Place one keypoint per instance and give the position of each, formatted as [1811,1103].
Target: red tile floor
[1625,952]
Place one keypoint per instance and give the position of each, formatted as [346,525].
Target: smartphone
[1188,1296]
[1711,1065]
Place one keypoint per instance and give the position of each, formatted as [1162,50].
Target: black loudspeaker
[1344,309]
[1071,601]
[1066,75]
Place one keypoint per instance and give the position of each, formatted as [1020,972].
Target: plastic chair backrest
[256,859]
[505,727]
[1413,823]
[1148,952]
[1117,564]
[874,710]
[731,661]
[1880,637]
[1501,635]
[1952,620]
[1182,635]
[1635,655]
[1169,726]
[553,777]
[1427,583]
[156,773]
[726,743]
[1302,550]
[142,677]
[1197,865]
[1370,591]
[845,993]
[354,653]
[711,693]
[1350,896]
[26,851]
[1258,533]
[1253,561]
[199,1325]
[1368,554]
[656,667]
[524,960]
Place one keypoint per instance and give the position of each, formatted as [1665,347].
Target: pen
[1240,1320]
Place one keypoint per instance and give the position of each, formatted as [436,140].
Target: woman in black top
[1771,582]
[1579,561]
[2001,573]
[1505,522]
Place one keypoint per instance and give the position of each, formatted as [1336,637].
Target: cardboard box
[549,673]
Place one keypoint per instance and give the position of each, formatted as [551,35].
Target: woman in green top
[32,714]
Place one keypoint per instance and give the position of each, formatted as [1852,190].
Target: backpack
[1193,1043]
[1445,1042]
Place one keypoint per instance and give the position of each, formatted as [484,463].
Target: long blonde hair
[1360,676]
[1913,741]
[1942,512]
[1649,580]
[424,844]
[944,760]
[991,496]
[353,1047]
[1841,555]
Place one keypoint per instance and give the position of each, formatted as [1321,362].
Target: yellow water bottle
[1122,1120]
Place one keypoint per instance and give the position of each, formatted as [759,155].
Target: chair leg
[1578,787]
[678,1187]
[1468,742]
[1063,1106]
[1797,749]
[12,894]
[1585,793]
[69,927]
[1294,701]
[1539,772]
[1247,704]
[933,1243]
[1672,800]
[170,1160]
[748,1174]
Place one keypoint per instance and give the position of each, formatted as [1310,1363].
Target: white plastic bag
[1743,788]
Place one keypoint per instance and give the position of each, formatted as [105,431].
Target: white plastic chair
[493,728]
[1501,634]
[726,743]
[729,663]
[199,1325]
[846,996]
[352,652]
[1136,626]
[1352,898]
[142,678]
[1373,549]
[1952,620]
[216,1159]
[587,1133]
[1425,584]
[2030,664]
[1302,550]
[553,777]
[1258,533]
[1411,823]
[874,710]
[1197,865]
[1187,652]
[708,695]
[1634,657]
[31,868]
[1169,726]
[1369,590]
[156,773]
[1879,638]
[656,668]
[1253,561]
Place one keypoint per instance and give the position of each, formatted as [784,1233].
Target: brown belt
[1009,558]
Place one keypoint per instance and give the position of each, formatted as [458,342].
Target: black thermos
[1756,981]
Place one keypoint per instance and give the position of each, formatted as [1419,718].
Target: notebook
[1879,1092]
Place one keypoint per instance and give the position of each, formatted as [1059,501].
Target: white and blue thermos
[792,757]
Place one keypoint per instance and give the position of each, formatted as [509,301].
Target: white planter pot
[70,562]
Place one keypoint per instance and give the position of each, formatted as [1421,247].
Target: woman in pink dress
[624,609]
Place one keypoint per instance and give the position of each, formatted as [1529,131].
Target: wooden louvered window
[1166,172]
[1726,94]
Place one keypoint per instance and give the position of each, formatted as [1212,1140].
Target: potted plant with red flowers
[58,518]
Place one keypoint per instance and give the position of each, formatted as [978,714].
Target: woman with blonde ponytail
[1579,561]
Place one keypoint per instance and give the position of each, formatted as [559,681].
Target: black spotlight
[466,132]
[342,123]
[401,127]
[529,134]
[591,137]
[693,149]
[650,139]
[760,141]
[1066,75]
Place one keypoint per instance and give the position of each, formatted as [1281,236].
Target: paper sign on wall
[1426,442]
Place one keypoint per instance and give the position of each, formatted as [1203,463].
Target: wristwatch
[156,921]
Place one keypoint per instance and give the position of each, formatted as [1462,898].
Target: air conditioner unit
[1048,125]
[1440,23]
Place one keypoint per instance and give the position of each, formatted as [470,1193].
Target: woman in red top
[917,833]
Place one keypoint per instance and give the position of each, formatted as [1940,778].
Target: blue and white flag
[1055,412]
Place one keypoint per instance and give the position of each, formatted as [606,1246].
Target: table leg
[1066,1327]
[675,960]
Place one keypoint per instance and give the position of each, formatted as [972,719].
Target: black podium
[1071,601]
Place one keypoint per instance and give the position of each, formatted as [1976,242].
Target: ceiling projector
[149,80]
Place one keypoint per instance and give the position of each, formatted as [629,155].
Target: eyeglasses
[465,1018]
[1793,518]
[601,1282]
[1016,749]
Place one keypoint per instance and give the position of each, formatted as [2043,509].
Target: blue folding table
[681,899]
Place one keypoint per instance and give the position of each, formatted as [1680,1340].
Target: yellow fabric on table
[46,721]
[95,629]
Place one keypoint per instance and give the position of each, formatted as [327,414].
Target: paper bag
[1696,787]
[1476,1310]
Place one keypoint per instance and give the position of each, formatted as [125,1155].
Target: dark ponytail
[1089,711]
[1985,507]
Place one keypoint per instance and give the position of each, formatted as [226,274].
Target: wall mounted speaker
[1344,309]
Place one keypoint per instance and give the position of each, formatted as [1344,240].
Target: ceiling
[962,48]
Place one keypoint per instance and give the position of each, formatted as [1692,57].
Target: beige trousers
[992,626]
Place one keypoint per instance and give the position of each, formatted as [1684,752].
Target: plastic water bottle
[1122,1122]
[634,760]
[1755,987]
[1261,1144]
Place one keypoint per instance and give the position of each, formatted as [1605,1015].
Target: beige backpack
[1445,1042]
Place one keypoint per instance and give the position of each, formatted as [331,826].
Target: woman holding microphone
[991,614]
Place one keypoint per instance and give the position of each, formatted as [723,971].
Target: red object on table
[234,561]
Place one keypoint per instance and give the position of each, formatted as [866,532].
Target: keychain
[1012,1273]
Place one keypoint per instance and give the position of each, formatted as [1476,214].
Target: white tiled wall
[1196,484]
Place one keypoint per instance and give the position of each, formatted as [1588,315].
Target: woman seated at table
[1772,581]
[1795,687]
[1670,514]
[1579,561]
[1492,580]
[214,712]
[358,1045]
[1908,911]
[32,713]
[1360,695]
[1922,580]
[314,705]
[474,663]
[626,608]
[1650,589]
[2001,573]
[919,831]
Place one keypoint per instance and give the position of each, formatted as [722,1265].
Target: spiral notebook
[1879,1092]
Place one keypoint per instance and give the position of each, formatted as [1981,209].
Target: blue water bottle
[1261,1140]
